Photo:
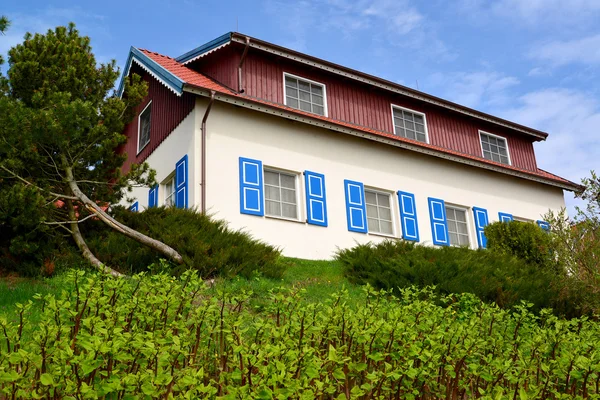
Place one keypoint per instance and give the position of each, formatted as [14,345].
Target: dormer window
[304,94]
[494,148]
[144,127]
[409,124]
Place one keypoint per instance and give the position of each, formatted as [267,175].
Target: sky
[534,62]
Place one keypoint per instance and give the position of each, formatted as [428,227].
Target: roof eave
[248,103]
[159,72]
[204,49]
[384,84]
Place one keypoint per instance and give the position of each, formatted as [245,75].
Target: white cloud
[578,51]
[543,13]
[473,89]
[538,71]
[572,118]
[386,22]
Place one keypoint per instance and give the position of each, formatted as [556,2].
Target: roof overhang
[276,111]
[164,76]
[205,49]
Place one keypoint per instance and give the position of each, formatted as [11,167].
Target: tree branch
[62,196]
[68,222]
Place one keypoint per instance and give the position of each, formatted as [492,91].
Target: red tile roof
[197,79]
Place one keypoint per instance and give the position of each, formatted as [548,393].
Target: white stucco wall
[180,142]
[235,132]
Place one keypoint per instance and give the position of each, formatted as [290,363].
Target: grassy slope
[319,279]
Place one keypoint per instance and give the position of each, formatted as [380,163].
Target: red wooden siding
[358,103]
[168,110]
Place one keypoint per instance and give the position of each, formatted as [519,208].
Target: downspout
[203,150]
[240,82]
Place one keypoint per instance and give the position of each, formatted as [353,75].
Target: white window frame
[163,189]
[394,106]
[139,150]
[296,175]
[497,137]
[521,219]
[393,206]
[470,226]
[325,110]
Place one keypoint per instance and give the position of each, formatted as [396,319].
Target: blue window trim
[244,185]
[153,196]
[505,217]
[357,206]
[431,202]
[544,225]
[134,207]
[312,198]
[179,186]
[404,216]
[480,230]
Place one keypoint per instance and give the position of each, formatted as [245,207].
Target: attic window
[494,148]
[410,124]
[305,95]
[144,127]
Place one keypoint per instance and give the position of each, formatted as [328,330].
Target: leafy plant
[159,337]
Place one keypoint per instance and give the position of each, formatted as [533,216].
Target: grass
[318,278]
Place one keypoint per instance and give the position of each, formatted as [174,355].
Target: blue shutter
[439,225]
[134,207]
[251,187]
[316,203]
[181,183]
[504,217]
[153,196]
[408,216]
[356,211]
[481,221]
[544,225]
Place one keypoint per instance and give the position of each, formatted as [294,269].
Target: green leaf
[46,379]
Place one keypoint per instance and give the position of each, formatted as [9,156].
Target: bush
[493,277]
[205,244]
[158,337]
[523,240]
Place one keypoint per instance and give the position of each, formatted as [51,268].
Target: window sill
[285,219]
[385,235]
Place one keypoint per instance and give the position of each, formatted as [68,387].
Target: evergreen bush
[493,277]
[524,240]
[206,244]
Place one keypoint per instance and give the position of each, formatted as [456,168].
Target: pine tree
[60,124]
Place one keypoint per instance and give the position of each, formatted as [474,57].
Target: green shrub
[206,245]
[159,337]
[523,240]
[493,277]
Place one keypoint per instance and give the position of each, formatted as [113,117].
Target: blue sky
[535,62]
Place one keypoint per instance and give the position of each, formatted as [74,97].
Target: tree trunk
[83,247]
[116,225]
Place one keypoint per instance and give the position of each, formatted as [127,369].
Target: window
[280,194]
[457,226]
[522,219]
[144,127]
[305,95]
[379,212]
[409,124]
[494,148]
[169,191]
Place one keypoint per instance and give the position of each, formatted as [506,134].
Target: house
[311,156]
